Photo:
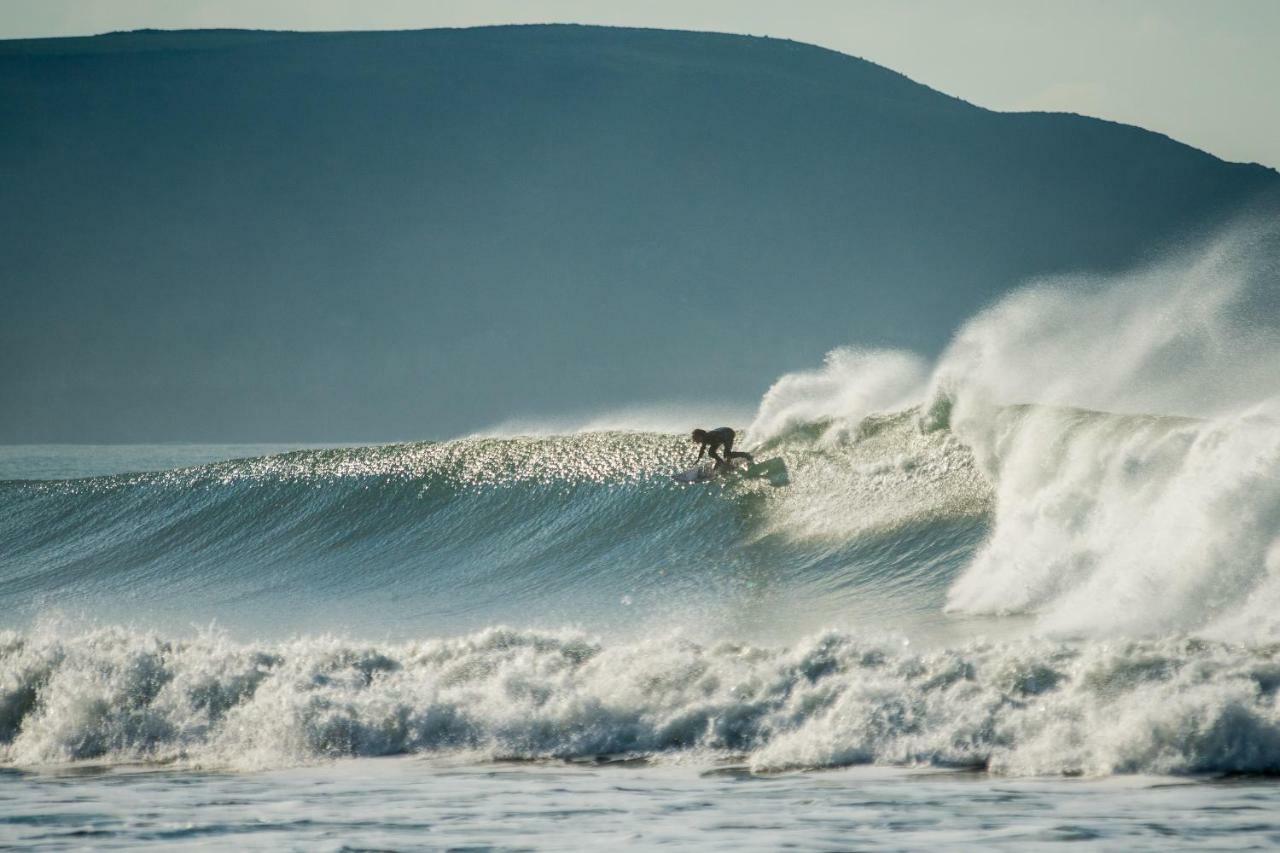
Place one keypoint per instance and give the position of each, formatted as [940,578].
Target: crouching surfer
[721,438]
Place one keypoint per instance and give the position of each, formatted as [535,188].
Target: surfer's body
[720,438]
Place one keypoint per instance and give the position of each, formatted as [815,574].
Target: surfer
[710,442]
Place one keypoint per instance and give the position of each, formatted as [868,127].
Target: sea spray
[851,384]
[1128,429]
[1131,431]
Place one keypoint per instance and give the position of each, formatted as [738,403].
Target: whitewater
[1031,583]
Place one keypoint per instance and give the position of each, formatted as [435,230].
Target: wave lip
[1032,707]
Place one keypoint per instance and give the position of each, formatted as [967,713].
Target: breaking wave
[1028,707]
[1055,550]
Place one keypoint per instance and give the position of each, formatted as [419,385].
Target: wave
[586,529]
[1100,456]
[1129,430]
[1133,524]
[1054,550]
[1138,494]
[1031,707]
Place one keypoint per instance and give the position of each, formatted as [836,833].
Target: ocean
[1019,595]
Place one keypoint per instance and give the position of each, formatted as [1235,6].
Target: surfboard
[774,470]
[696,474]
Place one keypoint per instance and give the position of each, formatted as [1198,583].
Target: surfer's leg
[740,454]
[730,454]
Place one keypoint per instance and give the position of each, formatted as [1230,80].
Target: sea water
[417,803]
[1023,595]
[377,679]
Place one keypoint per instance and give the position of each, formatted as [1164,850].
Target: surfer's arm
[702,448]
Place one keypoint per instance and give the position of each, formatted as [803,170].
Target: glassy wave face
[586,530]
[1055,550]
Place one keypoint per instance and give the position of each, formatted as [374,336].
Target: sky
[1202,71]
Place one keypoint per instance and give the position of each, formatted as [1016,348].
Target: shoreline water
[408,803]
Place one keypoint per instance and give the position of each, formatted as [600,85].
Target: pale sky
[1202,71]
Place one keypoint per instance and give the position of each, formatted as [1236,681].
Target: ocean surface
[1020,595]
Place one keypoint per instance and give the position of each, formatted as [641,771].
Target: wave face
[585,529]
[1055,550]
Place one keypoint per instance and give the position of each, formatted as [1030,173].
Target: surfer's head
[699,435]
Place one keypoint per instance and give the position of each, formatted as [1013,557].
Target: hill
[224,235]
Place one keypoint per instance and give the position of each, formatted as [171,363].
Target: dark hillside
[275,236]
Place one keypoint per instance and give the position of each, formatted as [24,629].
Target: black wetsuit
[718,438]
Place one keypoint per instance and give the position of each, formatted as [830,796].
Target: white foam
[1114,523]
[1030,707]
[1129,428]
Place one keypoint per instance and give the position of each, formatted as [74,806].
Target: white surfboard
[774,470]
[696,474]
